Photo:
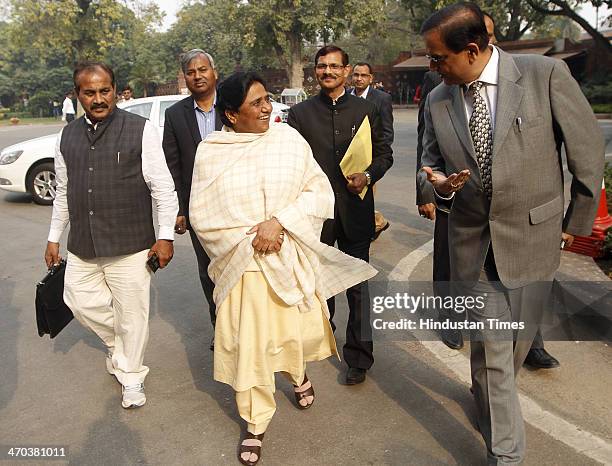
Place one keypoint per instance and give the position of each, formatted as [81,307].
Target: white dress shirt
[154,171]
[363,95]
[490,78]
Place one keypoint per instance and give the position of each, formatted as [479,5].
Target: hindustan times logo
[412,303]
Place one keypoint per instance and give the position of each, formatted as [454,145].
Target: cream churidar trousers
[110,296]
[257,335]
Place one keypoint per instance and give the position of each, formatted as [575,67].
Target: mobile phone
[153,263]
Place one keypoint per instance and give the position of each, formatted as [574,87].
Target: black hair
[459,25]
[233,91]
[362,63]
[331,49]
[127,87]
[84,66]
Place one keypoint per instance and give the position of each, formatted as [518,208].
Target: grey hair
[191,54]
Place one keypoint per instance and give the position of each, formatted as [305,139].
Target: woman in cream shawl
[258,201]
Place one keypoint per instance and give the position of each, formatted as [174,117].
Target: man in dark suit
[493,131]
[187,123]
[363,77]
[328,121]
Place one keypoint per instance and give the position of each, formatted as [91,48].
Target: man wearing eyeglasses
[363,77]
[493,132]
[328,121]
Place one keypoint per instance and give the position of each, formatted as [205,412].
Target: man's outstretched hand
[445,186]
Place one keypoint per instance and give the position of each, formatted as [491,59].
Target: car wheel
[41,183]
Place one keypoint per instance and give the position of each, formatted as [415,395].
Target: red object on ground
[593,245]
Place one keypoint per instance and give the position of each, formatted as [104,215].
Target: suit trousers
[358,349]
[207,285]
[496,358]
[110,296]
[441,272]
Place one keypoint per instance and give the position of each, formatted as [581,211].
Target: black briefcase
[52,314]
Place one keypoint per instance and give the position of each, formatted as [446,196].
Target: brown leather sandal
[250,446]
[303,392]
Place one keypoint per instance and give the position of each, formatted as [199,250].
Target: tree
[80,29]
[396,30]
[563,8]
[513,18]
[283,27]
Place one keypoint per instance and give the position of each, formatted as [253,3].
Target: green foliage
[602,108]
[599,93]
[608,242]
[38,105]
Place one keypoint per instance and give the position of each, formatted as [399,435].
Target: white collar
[490,73]
[364,94]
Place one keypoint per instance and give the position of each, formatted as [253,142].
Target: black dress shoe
[355,375]
[452,338]
[540,359]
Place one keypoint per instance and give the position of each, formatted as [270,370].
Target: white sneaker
[133,396]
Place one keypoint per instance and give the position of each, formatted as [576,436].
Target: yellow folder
[358,156]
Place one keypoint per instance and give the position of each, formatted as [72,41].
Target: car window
[163,105]
[144,110]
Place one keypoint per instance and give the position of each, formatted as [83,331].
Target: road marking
[404,268]
[580,440]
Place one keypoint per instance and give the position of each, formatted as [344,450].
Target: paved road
[415,407]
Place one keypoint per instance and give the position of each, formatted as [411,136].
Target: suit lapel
[456,110]
[192,123]
[509,96]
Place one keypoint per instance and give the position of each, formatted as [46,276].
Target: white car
[28,166]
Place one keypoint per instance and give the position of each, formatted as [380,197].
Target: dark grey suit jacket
[384,105]
[424,189]
[539,107]
[181,140]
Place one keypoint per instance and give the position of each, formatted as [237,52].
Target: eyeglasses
[437,59]
[331,66]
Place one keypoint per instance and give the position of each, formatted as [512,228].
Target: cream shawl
[242,179]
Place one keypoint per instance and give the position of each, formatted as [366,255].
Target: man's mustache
[95,106]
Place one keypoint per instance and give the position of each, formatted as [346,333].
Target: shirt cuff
[54,235]
[442,197]
[166,233]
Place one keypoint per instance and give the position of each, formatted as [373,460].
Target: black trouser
[207,285]
[357,351]
[441,269]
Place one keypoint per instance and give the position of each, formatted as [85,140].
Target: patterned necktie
[482,136]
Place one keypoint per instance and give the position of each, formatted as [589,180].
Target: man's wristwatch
[368,177]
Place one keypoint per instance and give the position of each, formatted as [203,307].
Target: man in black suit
[328,121]
[363,77]
[187,123]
